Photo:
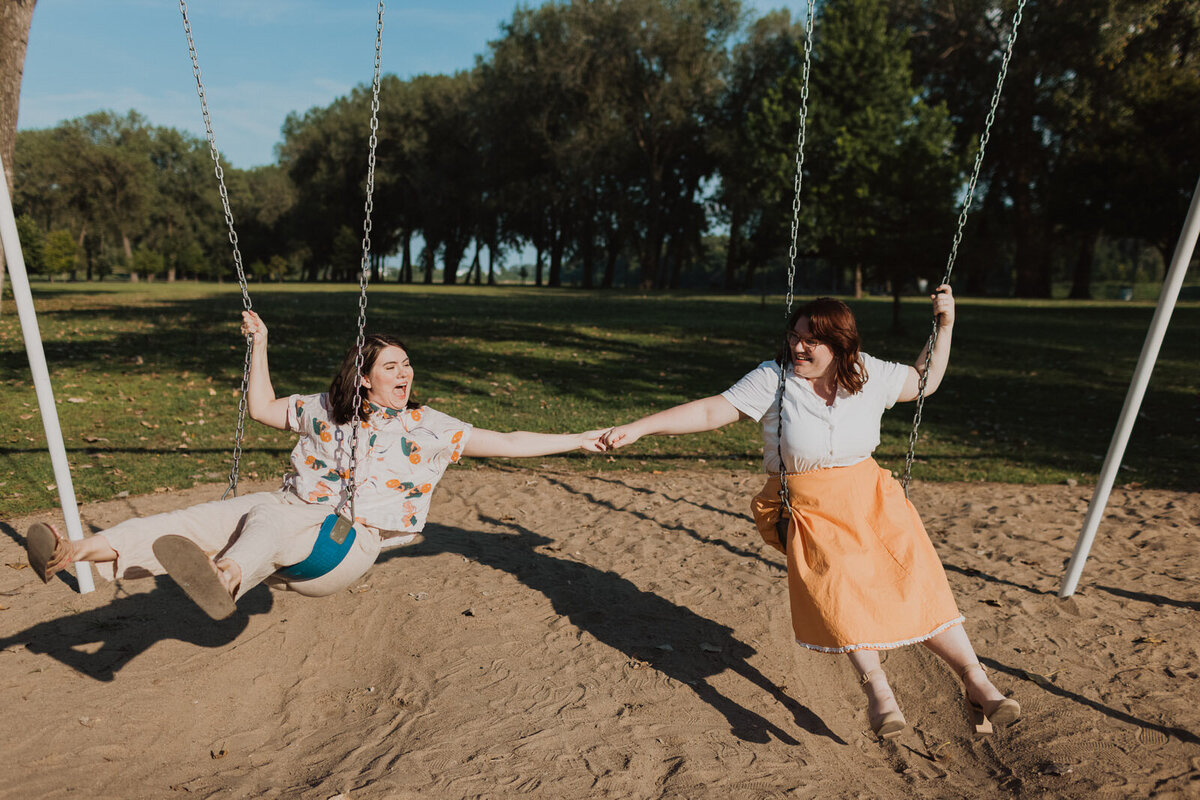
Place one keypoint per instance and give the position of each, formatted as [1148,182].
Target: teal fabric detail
[326,554]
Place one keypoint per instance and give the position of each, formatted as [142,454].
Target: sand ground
[611,636]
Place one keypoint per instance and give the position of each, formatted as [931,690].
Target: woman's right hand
[252,325]
[619,436]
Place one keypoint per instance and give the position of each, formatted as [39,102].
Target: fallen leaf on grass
[76,399]
[92,439]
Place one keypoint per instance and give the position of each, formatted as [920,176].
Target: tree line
[652,143]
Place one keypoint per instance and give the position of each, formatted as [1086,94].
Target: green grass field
[145,377]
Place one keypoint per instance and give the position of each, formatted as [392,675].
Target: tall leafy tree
[16,16]
[883,173]
[754,142]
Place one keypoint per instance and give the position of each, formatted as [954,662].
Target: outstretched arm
[943,308]
[261,402]
[699,415]
[523,444]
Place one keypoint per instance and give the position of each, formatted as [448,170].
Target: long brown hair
[832,322]
[341,391]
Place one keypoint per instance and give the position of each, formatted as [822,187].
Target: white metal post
[1137,390]
[41,377]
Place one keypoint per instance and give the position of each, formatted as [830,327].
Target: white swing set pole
[1137,390]
[41,377]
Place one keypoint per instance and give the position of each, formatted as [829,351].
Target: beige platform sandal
[1002,712]
[890,724]
[48,551]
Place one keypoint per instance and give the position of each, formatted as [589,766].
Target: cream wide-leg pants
[260,532]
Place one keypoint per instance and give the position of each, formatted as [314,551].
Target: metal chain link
[799,179]
[784,498]
[237,254]
[962,221]
[364,273]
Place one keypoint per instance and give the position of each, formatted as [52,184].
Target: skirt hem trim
[883,645]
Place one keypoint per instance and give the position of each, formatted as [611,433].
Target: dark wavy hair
[831,322]
[341,391]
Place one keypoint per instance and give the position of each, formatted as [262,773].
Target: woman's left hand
[943,305]
[591,441]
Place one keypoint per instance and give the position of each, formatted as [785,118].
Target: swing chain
[962,221]
[364,272]
[233,241]
[785,500]
[800,135]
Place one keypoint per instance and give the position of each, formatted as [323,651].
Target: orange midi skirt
[862,573]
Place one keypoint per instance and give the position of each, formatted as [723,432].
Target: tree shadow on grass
[131,625]
[628,619]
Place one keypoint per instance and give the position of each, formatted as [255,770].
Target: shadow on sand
[630,620]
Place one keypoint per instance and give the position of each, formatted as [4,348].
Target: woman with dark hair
[862,573]
[291,537]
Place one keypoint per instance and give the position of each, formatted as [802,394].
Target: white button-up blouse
[816,435]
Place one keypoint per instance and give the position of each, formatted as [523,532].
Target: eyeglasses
[794,339]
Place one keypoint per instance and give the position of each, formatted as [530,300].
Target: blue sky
[261,59]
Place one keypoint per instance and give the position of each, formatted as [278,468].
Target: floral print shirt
[402,454]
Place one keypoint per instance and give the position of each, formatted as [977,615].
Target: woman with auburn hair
[297,537]
[862,573]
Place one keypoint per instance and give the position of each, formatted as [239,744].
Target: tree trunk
[538,263]
[451,257]
[557,244]
[897,325]
[491,262]
[428,255]
[15,18]
[678,251]
[858,283]
[406,258]
[587,244]
[1081,279]
[613,250]
[732,248]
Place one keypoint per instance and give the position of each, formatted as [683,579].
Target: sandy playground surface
[611,636]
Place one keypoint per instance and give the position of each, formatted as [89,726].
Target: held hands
[252,325]
[943,305]
[619,436]
[592,441]
[606,439]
